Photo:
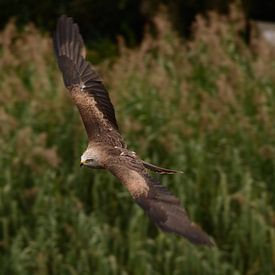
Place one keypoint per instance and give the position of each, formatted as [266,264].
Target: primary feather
[83,82]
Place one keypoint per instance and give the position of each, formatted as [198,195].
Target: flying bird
[106,148]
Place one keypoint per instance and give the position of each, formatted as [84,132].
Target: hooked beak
[81,163]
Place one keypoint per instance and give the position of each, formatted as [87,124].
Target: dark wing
[84,84]
[162,207]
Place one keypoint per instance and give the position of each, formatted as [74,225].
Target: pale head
[91,158]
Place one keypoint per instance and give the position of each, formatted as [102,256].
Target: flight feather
[84,84]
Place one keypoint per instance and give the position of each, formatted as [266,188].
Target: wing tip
[193,233]
[202,239]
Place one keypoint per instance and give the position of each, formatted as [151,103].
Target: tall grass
[205,106]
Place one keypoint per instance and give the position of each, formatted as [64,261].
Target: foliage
[206,106]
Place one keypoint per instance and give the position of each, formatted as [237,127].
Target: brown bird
[106,148]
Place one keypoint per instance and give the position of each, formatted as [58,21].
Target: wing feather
[83,81]
[162,207]
[165,211]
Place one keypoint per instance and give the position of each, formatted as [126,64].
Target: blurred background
[193,84]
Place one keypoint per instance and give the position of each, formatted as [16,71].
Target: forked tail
[158,169]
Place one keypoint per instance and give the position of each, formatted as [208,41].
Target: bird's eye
[89,160]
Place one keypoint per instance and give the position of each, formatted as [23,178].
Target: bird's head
[91,159]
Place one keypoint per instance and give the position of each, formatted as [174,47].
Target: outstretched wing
[162,207]
[84,84]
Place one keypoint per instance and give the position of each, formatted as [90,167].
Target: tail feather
[158,169]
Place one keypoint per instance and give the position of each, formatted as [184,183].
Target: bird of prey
[106,148]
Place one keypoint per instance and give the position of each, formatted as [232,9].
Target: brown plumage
[84,84]
[106,148]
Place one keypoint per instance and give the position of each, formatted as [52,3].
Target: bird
[106,147]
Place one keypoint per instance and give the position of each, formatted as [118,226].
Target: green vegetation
[206,107]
